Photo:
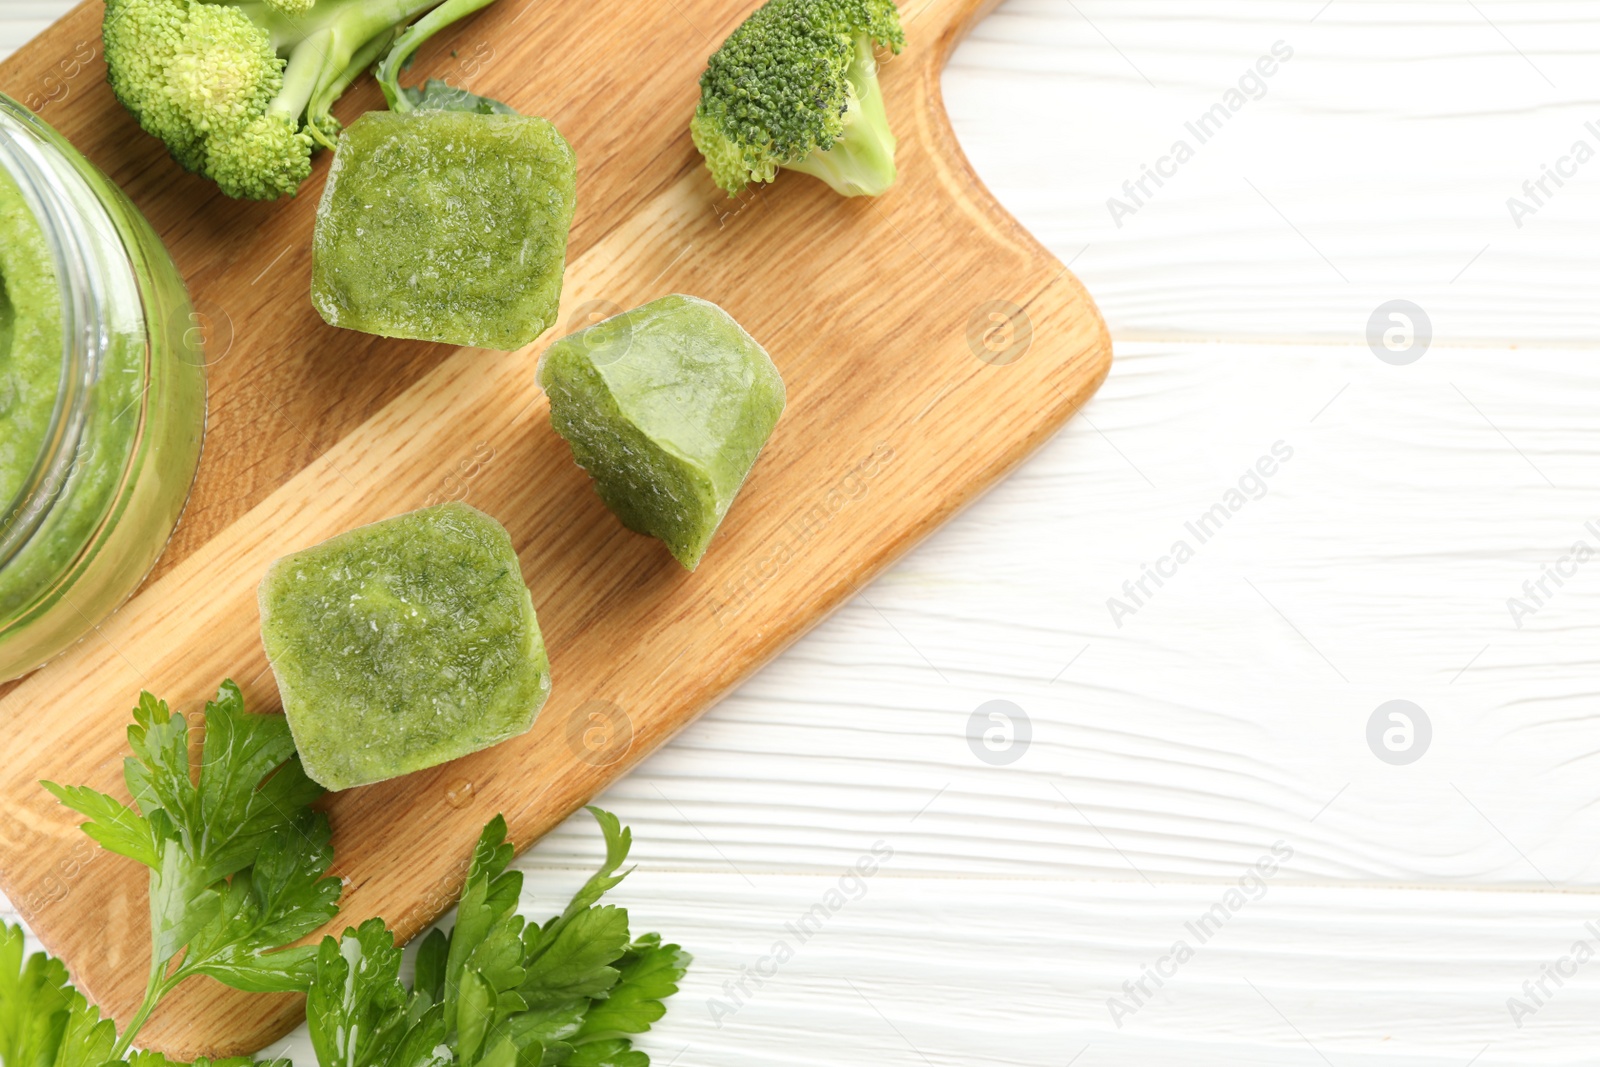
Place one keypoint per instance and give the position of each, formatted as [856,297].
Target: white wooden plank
[912,972]
[1376,164]
[918,971]
[21,20]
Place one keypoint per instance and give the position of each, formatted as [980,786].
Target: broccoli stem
[323,48]
[861,161]
[352,18]
[319,112]
[388,73]
[302,77]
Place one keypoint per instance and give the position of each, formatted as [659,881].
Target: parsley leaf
[617,1053]
[156,1059]
[237,859]
[279,899]
[571,955]
[113,824]
[86,1040]
[484,957]
[497,991]
[238,872]
[358,1012]
[44,1022]
[432,954]
[648,974]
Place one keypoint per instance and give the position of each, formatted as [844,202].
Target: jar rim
[84,331]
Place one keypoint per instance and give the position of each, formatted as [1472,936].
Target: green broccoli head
[240,90]
[222,71]
[263,159]
[796,87]
[197,74]
[141,38]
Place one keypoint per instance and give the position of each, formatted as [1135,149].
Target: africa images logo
[1251,485]
[1250,887]
[1251,85]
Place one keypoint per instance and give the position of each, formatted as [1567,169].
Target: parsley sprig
[45,1022]
[498,991]
[237,858]
[238,872]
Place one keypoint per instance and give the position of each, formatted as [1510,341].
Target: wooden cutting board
[928,343]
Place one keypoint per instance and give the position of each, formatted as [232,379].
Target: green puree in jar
[30,339]
[74,502]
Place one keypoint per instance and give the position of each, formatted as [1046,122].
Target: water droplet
[459,794]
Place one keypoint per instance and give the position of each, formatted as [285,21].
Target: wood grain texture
[893,425]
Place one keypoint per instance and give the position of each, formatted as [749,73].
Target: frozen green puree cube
[403,644]
[445,226]
[667,407]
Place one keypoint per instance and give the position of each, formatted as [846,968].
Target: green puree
[403,644]
[30,339]
[666,406]
[445,226]
[75,503]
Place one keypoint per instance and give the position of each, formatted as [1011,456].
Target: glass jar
[102,394]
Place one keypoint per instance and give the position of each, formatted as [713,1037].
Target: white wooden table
[1179,739]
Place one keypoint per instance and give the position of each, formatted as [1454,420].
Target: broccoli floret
[241,91]
[796,87]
